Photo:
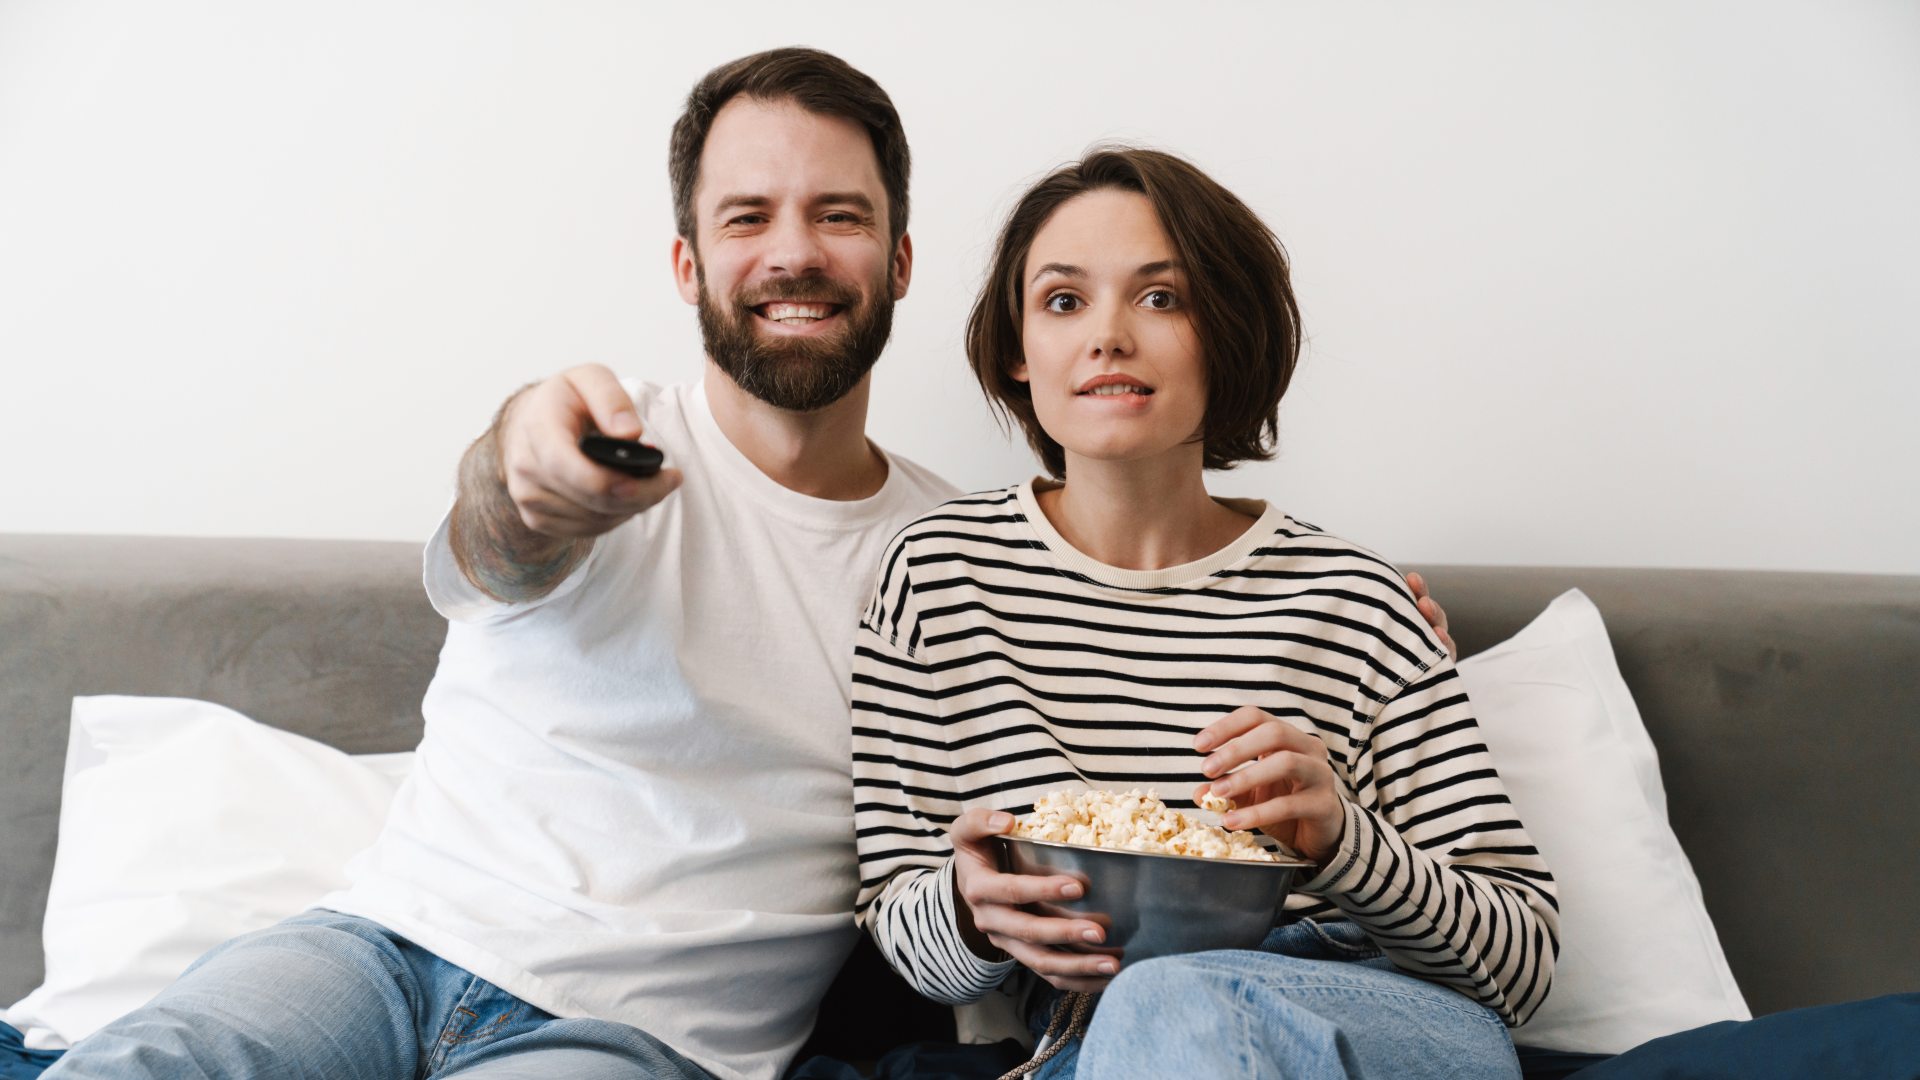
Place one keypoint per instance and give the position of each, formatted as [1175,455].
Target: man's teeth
[798,314]
[1115,389]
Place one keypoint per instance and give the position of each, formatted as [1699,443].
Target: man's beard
[799,374]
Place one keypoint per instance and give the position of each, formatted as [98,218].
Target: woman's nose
[1111,337]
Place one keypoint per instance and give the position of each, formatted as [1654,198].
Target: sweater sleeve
[1435,863]
[903,800]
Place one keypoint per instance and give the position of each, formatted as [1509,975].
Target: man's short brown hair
[816,81]
[1240,298]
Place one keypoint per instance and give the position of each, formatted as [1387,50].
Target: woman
[1117,626]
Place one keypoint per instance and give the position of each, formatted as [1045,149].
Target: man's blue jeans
[1315,1000]
[336,997]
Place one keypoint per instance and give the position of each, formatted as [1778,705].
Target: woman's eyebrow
[1146,270]
[1063,269]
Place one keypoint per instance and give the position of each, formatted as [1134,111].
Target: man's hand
[994,927]
[558,491]
[1286,787]
[530,502]
[1430,608]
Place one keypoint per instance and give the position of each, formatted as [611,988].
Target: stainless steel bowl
[1160,905]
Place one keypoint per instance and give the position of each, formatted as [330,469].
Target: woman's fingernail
[1202,743]
[1231,821]
[1090,936]
[1000,820]
[1108,967]
[1210,766]
[1071,890]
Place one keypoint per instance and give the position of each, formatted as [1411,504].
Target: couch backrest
[332,639]
[1786,709]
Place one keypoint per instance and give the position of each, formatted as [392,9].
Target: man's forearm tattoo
[493,547]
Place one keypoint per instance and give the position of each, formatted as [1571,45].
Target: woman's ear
[1018,370]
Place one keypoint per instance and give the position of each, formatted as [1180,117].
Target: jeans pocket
[1342,940]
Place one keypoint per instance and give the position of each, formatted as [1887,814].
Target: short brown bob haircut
[1240,299]
[819,82]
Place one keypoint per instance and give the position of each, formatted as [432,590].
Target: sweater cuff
[979,975]
[1346,871]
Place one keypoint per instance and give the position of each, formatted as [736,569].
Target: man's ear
[902,265]
[686,270]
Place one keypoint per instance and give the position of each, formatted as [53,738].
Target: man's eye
[842,218]
[749,219]
[1161,300]
[1063,302]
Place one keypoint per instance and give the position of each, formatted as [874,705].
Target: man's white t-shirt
[632,800]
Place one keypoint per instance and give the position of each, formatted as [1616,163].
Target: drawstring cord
[1073,1007]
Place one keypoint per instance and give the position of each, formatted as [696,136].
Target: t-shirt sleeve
[460,600]
[903,802]
[1435,863]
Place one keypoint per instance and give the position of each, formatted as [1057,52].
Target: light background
[1625,283]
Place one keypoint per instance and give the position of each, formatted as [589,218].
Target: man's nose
[794,248]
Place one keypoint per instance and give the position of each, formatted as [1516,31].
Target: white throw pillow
[183,824]
[1638,955]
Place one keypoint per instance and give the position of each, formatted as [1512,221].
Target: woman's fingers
[1055,964]
[1281,809]
[974,826]
[1237,722]
[1003,921]
[1292,770]
[990,887]
[1270,737]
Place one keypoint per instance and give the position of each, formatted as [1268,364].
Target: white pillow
[1638,955]
[183,824]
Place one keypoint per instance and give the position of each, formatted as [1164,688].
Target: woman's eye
[1063,302]
[1161,300]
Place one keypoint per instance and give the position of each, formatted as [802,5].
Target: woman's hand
[993,926]
[1283,787]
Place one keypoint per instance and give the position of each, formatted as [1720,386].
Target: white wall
[1589,283]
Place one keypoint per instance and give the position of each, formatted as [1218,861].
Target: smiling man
[626,846]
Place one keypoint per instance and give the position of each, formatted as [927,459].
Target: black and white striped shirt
[994,663]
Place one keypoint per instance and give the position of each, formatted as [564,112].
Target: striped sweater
[995,663]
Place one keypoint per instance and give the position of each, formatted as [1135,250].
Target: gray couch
[1786,709]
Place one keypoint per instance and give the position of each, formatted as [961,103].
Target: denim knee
[1165,978]
[1254,1014]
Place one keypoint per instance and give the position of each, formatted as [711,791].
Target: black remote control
[624,455]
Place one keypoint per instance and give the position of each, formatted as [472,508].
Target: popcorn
[1215,804]
[1135,821]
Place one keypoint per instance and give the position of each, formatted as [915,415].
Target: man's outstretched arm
[529,502]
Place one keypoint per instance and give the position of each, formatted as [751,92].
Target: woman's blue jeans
[336,997]
[1315,1000]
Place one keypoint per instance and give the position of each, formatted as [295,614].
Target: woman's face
[1111,354]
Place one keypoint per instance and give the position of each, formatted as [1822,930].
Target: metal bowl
[1159,905]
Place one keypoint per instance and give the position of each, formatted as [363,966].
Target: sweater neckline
[1266,521]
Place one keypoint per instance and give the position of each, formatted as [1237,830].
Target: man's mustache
[800,291]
